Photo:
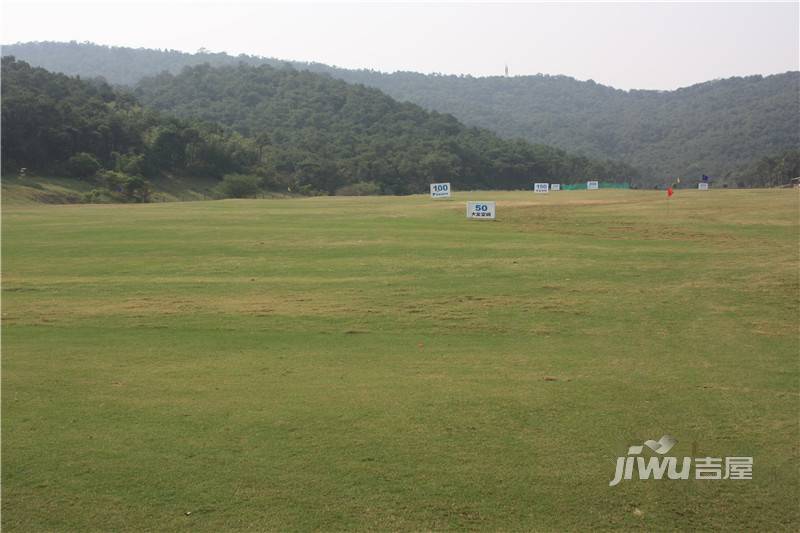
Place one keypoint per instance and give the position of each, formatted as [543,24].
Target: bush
[99,196]
[239,186]
[82,165]
[361,188]
[122,187]
[113,181]
[136,189]
[132,164]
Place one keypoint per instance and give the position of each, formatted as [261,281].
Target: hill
[57,125]
[334,133]
[260,128]
[710,128]
[718,128]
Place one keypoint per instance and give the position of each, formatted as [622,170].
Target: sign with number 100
[440,190]
[481,210]
[541,188]
[592,185]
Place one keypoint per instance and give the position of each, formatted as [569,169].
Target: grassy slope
[40,190]
[337,363]
[52,190]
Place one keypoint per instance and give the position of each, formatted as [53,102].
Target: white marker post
[482,210]
[541,188]
[702,186]
[440,190]
[555,186]
[592,185]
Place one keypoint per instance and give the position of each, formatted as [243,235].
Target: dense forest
[60,125]
[257,128]
[720,128]
[333,133]
[769,171]
[126,66]
[709,128]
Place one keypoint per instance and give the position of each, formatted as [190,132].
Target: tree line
[59,125]
[273,128]
[769,171]
[717,128]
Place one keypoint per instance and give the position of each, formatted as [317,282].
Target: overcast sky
[626,45]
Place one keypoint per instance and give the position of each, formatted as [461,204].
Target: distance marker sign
[592,185]
[481,210]
[555,186]
[440,190]
[541,187]
[702,186]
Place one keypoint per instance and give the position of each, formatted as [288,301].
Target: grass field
[384,363]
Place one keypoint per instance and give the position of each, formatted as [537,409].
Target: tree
[136,189]
[83,165]
[239,186]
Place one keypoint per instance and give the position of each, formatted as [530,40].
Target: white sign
[440,190]
[541,187]
[592,185]
[702,186]
[555,186]
[481,210]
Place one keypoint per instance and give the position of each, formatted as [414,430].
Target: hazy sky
[627,45]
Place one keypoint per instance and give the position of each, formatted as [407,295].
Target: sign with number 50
[481,210]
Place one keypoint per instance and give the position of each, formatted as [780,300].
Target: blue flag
[705,178]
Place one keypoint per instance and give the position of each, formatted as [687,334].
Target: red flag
[669,192]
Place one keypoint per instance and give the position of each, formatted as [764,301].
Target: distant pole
[506,71]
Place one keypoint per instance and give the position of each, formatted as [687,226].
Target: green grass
[384,363]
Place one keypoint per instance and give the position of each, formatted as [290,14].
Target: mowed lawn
[386,364]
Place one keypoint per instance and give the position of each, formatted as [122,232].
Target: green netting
[602,184]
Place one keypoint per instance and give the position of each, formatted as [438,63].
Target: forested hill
[126,66]
[710,128]
[332,132]
[717,128]
[273,129]
[85,130]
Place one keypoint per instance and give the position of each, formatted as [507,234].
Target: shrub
[132,164]
[112,180]
[99,196]
[82,165]
[136,189]
[239,186]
